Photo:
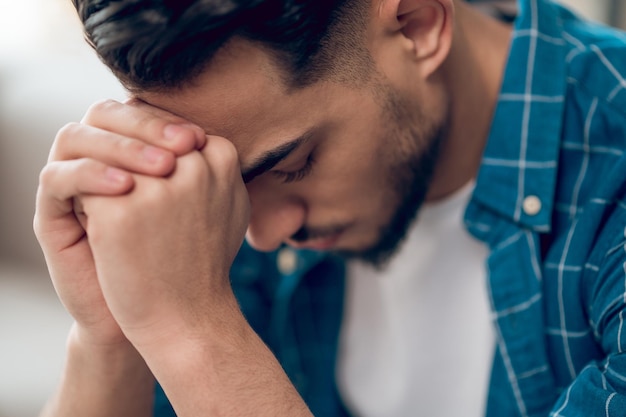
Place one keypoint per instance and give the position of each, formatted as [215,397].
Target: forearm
[227,370]
[102,381]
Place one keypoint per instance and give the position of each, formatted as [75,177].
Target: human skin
[145,271]
[101,363]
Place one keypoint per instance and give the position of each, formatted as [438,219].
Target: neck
[473,71]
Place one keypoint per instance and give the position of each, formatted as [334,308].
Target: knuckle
[128,146]
[150,191]
[81,167]
[119,216]
[145,121]
[192,173]
[155,188]
[152,123]
[197,166]
[66,134]
[99,107]
[105,217]
[66,143]
[57,174]
[229,153]
[158,193]
[154,112]
[47,174]
[223,155]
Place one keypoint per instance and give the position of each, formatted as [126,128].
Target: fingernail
[152,154]
[115,175]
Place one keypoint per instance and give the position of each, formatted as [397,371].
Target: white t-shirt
[417,339]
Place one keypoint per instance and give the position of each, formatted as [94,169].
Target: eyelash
[298,175]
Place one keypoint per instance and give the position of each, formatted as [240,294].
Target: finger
[200,134]
[61,181]
[216,165]
[79,212]
[221,156]
[77,141]
[217,160]
[157,128]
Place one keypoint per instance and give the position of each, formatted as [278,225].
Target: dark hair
[163,44]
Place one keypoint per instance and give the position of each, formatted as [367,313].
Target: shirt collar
[519,167]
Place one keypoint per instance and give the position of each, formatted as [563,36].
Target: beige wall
[594,9]
[619,11]
[608,11]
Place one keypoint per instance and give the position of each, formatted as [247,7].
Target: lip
[324,243]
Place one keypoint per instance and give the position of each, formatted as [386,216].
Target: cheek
[352,167]
[355,180]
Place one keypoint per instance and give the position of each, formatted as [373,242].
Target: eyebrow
[269,159]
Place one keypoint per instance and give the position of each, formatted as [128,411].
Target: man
[329,126]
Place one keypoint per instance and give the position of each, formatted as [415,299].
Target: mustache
[310,233]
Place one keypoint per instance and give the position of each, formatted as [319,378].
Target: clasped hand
[140,216]
[163,251]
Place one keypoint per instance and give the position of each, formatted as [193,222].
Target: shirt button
[531,205]
[287,261]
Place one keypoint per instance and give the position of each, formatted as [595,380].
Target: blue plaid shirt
[550,202]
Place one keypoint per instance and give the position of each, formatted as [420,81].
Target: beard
[411,152]
[414,146]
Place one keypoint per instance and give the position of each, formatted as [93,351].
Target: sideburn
[415,144]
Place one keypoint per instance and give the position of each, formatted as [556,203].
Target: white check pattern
[557,278]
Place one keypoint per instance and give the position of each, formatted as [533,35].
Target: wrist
[102,380]
[207,317]
[98,339]
[189,342]
[104,359]
[223,367]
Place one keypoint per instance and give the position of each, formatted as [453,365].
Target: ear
[427,28]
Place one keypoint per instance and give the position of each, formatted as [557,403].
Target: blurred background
[48,77]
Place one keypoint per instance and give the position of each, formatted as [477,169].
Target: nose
[273,219]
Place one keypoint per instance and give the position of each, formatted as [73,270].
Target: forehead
[241,96]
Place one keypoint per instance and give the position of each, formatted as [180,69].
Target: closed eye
[293,176]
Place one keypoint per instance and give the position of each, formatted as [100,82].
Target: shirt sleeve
[600,388]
